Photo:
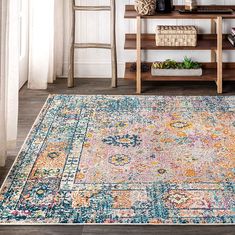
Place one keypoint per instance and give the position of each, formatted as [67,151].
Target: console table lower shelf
[209,74]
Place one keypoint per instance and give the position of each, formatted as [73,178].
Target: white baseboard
[97,70]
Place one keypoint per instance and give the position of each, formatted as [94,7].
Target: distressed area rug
[125,160]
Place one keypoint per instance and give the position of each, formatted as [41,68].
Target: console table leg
[138,63]
[213,31]
[219,55]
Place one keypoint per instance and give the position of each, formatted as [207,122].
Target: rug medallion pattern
[125,160]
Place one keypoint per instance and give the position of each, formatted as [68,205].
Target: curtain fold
[46,33]
[3,24]
[9,75]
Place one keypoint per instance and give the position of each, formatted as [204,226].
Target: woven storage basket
[145,7]
[176,36]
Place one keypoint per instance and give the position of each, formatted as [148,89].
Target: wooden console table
[216,42]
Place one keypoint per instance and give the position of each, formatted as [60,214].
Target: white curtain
[46,34]
[9,75]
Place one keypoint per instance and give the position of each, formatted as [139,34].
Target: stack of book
[231,37]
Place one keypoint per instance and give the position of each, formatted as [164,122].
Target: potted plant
[187,67]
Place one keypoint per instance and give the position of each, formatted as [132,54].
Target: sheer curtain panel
[9,75]
[46,24]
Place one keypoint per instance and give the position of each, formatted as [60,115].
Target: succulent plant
[190,64]
[187,63]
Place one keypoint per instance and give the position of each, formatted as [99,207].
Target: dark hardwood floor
[31,102]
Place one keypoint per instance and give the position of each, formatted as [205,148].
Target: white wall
[94,27]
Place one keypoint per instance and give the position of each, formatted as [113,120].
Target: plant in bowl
[187,67]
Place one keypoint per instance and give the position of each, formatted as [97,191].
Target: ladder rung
[92,8]
[92,45]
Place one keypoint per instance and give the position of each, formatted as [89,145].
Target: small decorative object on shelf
[164,6]
[176,36]
[231,37]
[190,5]
[172,68]
[233,31]
[144,67]
[145,7]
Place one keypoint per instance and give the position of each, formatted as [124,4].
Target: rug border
[111,224]
[30,131]
[91,224]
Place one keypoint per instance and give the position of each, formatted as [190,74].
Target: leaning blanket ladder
[111,46]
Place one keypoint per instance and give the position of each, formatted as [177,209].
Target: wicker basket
[176,36]
[145,7]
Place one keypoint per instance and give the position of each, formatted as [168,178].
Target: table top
[130,13]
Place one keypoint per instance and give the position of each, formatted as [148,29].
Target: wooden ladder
[111,46]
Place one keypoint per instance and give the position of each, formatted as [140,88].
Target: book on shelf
[231,39]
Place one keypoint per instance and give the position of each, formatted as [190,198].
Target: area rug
[125,160]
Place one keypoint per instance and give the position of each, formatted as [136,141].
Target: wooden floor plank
[41,230]
[158,230]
